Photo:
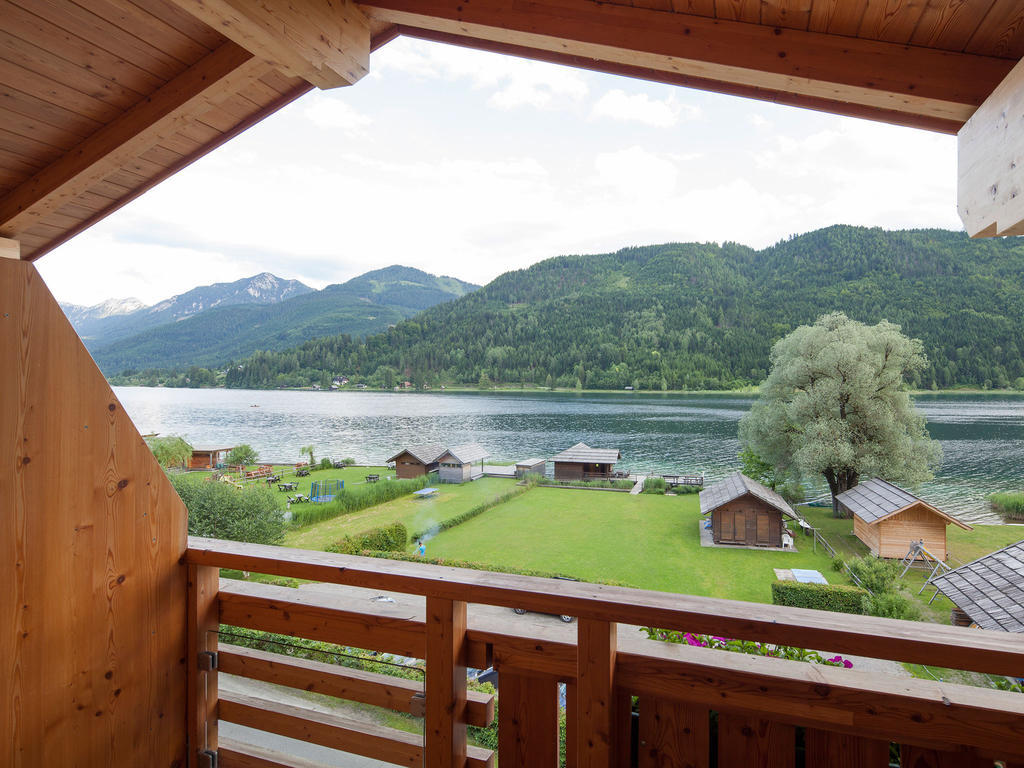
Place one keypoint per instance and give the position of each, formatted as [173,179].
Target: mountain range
[213,324]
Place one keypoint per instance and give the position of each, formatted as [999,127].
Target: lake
[982,436]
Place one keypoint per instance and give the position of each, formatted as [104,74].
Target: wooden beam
[528,721]
[990,154]
[595,683]
[194,92]
[878,75]
[444,729]
[325,42]
[9,249]
[202,624]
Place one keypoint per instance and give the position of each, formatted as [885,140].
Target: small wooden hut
[459,464]
[581,462]
[989,590]
[531,467]
[417,460]
[744,512]
[889,519]
[207,458]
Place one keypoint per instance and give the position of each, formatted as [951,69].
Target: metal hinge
[206,661]
[207,759]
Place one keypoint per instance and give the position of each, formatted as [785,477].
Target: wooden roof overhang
[101,100]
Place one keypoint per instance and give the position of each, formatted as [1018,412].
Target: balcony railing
[696,706]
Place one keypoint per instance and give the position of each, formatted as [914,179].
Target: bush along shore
[358,497]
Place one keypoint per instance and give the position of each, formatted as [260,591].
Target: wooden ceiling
[102,99]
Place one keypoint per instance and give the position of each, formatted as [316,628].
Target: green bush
[686,490]
[1009,505]
[620,484]
[479,509]
[170,451]
[392,538]
[876,575]
[354,498]
[838,564]
[654,485]
[823,597]
[325,463]
[241,456]
[222,511]
[891,605]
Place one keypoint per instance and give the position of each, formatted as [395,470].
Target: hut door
[733,525]
[764,535]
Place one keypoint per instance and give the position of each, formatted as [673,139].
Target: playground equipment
[919,554]
[323,491]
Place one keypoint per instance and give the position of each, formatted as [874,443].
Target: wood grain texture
[827,749]
[236,754]
[92,591]
[203,623]
[674,735]
[916,757]
[444,732]
[595,684]
[528,721]
[754,742]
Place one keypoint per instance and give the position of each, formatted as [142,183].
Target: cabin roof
[736,485]
[875,500]
[467,453]
[425,454]
[583,454]
[530,462]
[990,589]
[211,450]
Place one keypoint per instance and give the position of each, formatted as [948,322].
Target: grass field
[412,511]
[646,541]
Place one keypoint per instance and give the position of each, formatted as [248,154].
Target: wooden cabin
[417,461]
[109,640]
[744,512]
[208,458]
[581,462]
[531,467]
[889,519]
[459,464]
[989,591]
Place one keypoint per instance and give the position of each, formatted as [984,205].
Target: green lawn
[412,511]
[646,541]
[351,476]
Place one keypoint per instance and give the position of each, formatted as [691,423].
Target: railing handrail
[938,645]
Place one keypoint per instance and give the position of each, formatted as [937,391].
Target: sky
[470,164]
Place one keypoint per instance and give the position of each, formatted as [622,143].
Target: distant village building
[581,462]
[531,467]
[417,461]
[889,519]
[458,464]
[988,591]
[745,512]
[208,458]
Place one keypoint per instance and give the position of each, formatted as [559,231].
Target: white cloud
[327,110]
[636,172]
[641,108]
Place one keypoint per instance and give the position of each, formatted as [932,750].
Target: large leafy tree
[172,451]
[834,404]
[222,511]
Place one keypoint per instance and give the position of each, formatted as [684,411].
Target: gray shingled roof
[425,454]
[990,590]
[876,499]
[468,453]
[583,453]
[736,485]
[530,462]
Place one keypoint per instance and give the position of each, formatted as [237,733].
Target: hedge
[823,597]
[392,538]
[355,498]
[479,509]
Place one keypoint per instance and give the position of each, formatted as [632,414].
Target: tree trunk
[839,481]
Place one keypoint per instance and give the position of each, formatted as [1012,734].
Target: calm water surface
[982,436]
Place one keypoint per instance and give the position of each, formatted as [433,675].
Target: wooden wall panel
[92,595]
[916,523]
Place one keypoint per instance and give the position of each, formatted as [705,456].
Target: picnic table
[302,473]
[287,486]
[372,478]
[424,492]
[298,499]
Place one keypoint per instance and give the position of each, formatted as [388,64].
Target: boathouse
[581,462]
[110,638]
[531,467]
[208,458]
[417,460]
[988,591]
[745,512]
[460,464]
[889,519]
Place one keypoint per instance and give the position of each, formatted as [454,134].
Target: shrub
[241,456]
[823,597]
[891,605]
[620,484]
[1009,505]
[355,498]
[171,451]
[479,509]
[838,564]
[686,490]
[876,575]
[654,485]
[325,463]
[348,461]
[391,538]
[222,511]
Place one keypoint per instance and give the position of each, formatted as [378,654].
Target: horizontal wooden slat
[953,647]
[333,731]
[236,754]
[341,682]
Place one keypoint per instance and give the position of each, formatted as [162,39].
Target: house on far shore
[457,464]
[581,462]
[417,460]
[989,591]
[889,519]
[208,458]
[744,512]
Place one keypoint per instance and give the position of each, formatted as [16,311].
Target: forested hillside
[692,316]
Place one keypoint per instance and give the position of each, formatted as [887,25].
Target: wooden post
[527,721]
[596,648]
[203,624]
[754,742]
[9,249]
[444,734]
[675,734]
